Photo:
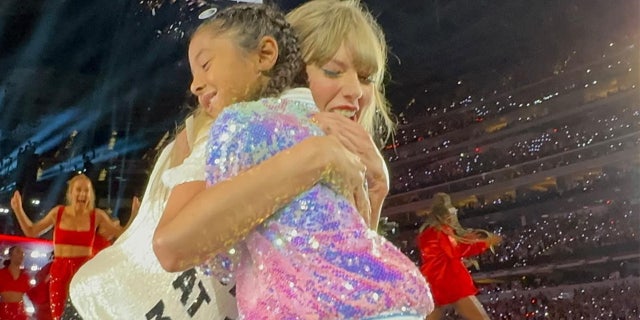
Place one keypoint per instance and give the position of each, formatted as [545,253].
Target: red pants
[62,270]
[12,311]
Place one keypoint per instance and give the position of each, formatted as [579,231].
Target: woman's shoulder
[98,211]
[433,231]
[428,230]
[59,209]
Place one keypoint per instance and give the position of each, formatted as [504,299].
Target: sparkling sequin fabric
[126,281]
[315,258]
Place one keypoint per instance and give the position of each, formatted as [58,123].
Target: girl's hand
[356,139]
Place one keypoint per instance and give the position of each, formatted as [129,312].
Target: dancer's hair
[441,214]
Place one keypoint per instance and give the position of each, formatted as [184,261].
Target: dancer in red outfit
[14,283]
[39,294]
[443,243]
[103,239]
[74,229]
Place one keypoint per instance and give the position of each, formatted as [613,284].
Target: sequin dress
[126,281]
[315,258]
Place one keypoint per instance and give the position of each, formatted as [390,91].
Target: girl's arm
[29,228]
[195,227]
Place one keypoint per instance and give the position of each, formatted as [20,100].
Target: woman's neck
[78,209]
[14,268]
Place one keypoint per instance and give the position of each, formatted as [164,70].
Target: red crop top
[8,283]
[72,237]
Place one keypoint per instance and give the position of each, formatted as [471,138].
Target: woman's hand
[16,202]
[493,240]
[356,139]
[346,172]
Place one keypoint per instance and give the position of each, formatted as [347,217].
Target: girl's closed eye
[205,66]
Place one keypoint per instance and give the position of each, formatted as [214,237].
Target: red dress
[442,264]
[13,310]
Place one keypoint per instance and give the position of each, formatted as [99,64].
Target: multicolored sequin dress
[315,258]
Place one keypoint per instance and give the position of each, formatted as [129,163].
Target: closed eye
[206,65]
[367,79]
[331,73]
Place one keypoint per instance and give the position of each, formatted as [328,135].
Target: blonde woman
[125,280]
[74,229]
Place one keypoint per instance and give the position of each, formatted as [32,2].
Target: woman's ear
[267,54]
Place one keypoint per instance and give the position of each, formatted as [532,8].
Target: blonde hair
[91,204]
[200,123]
[322,26]
[440,215]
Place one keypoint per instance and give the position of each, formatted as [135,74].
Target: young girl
[315,258]
[257,55]
[443,243]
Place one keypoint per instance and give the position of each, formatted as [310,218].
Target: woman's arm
[135,207]
[29,228]
[195,227]
[466,250]
[355,138]
[105,224]
[478,247]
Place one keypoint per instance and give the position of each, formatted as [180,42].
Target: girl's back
[316,256]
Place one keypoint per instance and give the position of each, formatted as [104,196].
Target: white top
[126,281]
[301,94]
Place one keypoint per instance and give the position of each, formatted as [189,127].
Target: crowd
[615,63]
[615,300]
[581,138]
